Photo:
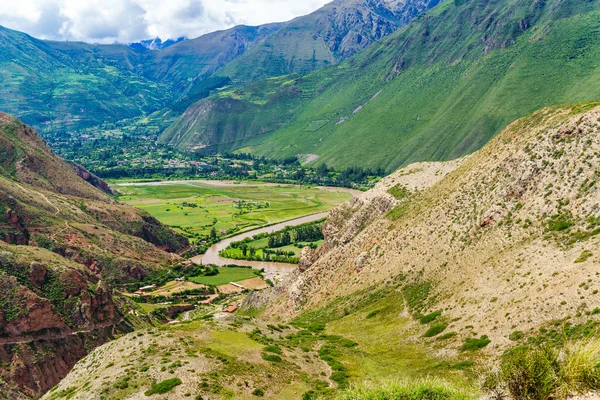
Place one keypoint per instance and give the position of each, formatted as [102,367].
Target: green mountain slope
[59,86]
[48,88]
[437,89]
[329,35]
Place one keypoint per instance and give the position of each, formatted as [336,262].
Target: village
[174,300]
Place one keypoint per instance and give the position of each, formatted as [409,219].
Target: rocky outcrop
[92,179]
[307,259]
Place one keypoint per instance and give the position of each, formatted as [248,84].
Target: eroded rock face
[92,179]
[348,220]
[37,273]
[51,323]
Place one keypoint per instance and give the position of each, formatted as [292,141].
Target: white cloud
[108,21]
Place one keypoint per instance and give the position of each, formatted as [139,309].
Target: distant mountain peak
[156,43]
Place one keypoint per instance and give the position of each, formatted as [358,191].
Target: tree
[213,234]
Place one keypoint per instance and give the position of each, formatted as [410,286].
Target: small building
[147,288]
[231,309]
[237,285]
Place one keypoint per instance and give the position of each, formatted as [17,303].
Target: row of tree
[303,233]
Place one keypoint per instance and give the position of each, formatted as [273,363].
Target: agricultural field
[225,276]
[195,208]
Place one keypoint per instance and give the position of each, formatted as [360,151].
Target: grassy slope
[70,85]
[227,353]
[448,100]
[286,202]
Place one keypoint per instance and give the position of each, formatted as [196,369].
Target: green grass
[216,206]
[384,350]
[409,390]
[225,276]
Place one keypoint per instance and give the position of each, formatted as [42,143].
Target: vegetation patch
[542,372]
[226,275]
[271,357]
[410,390]
[583,257]
[400,192]
[164,386]
[472,344]
[426,319]
[435,330]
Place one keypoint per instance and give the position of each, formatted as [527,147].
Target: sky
[126,21]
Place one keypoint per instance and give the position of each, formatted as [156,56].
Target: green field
[226,275]
[195,208]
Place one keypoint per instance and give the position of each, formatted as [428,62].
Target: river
[272,269]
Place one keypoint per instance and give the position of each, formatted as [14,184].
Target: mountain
[46,87]
[439,88]
[194,59]
[71,85]
[63,243]
[434,273]
[331,34]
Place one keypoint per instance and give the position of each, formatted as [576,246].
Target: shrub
[539,373]
[583,257]
[341,378]
[163,387]
[271,357]
[258,392]
[273,349]
[529,374]
[430,317]
[122,383]
[472,344]
[435,330]
[447,336]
